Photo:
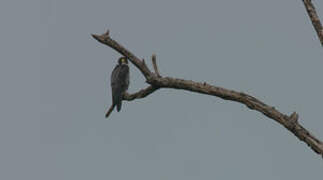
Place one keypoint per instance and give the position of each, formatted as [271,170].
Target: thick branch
[290,122]
[314,18]
[156,82]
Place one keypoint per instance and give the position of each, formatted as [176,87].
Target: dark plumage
[119,83]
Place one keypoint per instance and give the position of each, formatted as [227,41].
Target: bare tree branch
[290,122]
[140,94]
[156,82]
[105,39]
[314,18]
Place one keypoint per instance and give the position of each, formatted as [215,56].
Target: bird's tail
[109,111]
[119,103]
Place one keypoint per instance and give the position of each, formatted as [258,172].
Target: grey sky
[55,90]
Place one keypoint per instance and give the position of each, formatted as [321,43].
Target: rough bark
[156,82]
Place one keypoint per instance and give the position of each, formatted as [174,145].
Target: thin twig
[153,59]
[289,122]
[314,18]
[140,94]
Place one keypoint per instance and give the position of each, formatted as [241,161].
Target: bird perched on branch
[119,84]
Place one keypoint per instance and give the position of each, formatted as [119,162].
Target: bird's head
[123,60]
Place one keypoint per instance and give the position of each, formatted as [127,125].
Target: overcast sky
[55,89]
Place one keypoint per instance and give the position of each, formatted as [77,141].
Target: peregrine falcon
[119,84]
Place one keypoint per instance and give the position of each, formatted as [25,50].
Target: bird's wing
[115,85]
[123,83]
[114,74]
